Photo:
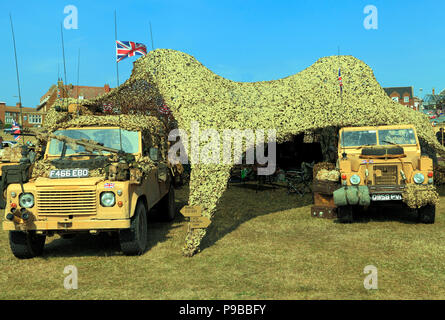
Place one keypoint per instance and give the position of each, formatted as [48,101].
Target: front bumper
[67,225]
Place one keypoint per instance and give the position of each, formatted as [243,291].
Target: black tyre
[178,181]
[427,214]
[26,245]
[133,241]
[167,206]
[344,214]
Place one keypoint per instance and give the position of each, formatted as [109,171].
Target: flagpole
[17,73]
[117,78]
[151,37]
[339,68]
[115,38]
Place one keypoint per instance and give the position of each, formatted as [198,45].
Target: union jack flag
[15,130]
[164,109]
[129,49]
[107,107]
[340,81]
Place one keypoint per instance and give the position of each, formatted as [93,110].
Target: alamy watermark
[71,280]
[71,21]
[370,281]
[371,20]
[207,146]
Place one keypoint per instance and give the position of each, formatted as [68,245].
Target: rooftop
[400,91]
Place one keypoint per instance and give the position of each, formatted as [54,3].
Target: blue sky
[242,40]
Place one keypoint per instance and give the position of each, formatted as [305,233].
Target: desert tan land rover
[87,183]
[383,165]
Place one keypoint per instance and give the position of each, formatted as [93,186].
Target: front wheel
[427,214]
[26,245]
[133,241]
[344,214]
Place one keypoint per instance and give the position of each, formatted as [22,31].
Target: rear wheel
[133,241]
[427,214]
[344,214]
[26,245]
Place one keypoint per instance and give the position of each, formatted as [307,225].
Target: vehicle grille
[66,202]
[389,175]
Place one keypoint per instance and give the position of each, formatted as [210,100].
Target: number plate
[68,173]
[386,197]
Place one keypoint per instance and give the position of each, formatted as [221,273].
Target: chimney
[18,104]
[107,88]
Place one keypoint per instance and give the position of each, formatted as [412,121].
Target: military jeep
[377,164]
[92,179]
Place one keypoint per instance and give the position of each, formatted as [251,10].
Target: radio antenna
[18,78]
[63,53]
[78,71]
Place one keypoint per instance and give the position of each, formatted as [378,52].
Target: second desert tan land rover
[94,177]
[377,164]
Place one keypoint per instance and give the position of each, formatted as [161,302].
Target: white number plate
[68,173]
[386,197]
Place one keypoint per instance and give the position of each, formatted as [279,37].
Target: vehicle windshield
[109,137]
[369,137]
[358,138]
[397,136]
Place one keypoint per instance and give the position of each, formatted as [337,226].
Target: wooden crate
[324,187]
[326,212]
[324,200]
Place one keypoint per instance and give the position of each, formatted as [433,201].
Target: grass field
[261,245]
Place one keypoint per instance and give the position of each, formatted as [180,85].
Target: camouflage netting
[415,196]
[439,174]
[302,102]
[155,134]
[328,166]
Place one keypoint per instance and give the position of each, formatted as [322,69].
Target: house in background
[60,90]
[31,117]
[418,103]
[433,101]
[402,95]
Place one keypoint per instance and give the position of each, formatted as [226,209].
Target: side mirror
[153,153]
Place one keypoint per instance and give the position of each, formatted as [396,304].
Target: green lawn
[261,245]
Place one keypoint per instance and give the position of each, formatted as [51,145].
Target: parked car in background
[9,143]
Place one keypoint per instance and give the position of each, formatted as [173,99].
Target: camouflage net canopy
[306,101]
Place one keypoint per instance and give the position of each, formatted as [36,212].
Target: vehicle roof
[83,127]
[385,127]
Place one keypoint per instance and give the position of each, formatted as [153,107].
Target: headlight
[26,200]
[419,178]
[354,179]
[107,199]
